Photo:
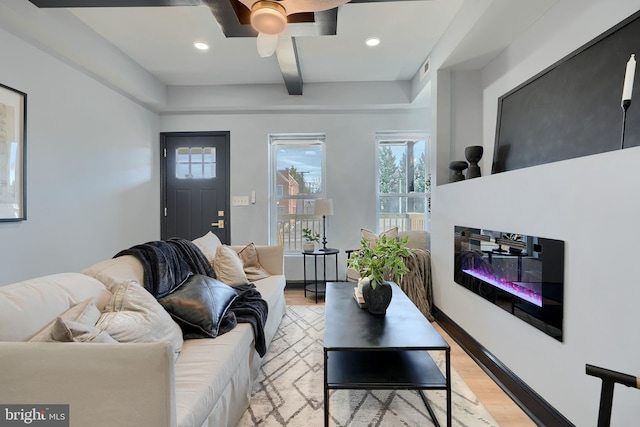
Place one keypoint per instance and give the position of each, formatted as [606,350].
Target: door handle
[219,223]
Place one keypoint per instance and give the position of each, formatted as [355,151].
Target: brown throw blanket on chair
[417,282]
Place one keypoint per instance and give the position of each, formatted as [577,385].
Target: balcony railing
[290,230]
[290,226]
[404,221]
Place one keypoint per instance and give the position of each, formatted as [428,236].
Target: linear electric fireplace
[522,274]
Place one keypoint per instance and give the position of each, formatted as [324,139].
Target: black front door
[195,184]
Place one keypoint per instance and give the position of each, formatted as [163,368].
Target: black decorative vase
[456,168]
[473,155]
[377,300]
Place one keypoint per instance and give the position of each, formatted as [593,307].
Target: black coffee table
[364,351]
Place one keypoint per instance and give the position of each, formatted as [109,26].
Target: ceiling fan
[276,23]
[269,18]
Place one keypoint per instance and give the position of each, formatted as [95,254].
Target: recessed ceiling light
[372,41]
[201,45]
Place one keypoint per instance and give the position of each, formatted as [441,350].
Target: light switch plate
[240,201]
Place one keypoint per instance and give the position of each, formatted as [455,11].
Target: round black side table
[316,286]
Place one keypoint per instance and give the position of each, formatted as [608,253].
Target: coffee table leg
[432,414]
[326,392]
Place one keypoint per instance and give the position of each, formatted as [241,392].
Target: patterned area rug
[289,389]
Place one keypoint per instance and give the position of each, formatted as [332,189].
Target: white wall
[351,168]
[92,168]
[93,163]
[466,124]
[592,203]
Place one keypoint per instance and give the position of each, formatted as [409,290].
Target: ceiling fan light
[268,17]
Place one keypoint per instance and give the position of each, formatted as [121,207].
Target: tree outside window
[404,181]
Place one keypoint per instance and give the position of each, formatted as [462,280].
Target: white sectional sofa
[134,384]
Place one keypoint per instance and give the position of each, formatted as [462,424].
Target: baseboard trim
[299,284]
[294,284]
[538,409]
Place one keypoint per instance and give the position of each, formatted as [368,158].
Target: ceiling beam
[226,16]
[287,54]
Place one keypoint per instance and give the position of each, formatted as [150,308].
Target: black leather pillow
[198,305]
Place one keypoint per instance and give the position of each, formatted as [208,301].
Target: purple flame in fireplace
[528,291]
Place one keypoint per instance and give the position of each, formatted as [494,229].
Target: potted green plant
[310,239]
[384,259]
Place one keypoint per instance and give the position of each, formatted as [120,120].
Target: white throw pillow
[84,313]
[134,315]
[228,267]
[208,244]
[70,331]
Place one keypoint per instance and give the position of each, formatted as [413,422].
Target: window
[195,162]
[404,181]
[297,169]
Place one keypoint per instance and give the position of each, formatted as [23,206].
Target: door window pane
[195,162]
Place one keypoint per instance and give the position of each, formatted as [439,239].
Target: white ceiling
[147,53]
[160,39]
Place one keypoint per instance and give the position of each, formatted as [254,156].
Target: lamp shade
[323,207]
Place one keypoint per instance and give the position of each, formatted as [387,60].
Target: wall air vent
[424,69]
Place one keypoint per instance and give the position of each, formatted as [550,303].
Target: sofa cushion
[228,267]
[29,306]
[251,264]
[206,369]
[70,331]
[112,272]
[208,245]
[202,379]
[198,305]
[134,315]
[84,313]
[272,291]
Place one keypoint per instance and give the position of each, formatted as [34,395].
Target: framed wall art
[13,139]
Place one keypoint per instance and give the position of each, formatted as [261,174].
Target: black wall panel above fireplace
[572,108]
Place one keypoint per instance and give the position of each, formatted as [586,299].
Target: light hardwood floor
[499,405]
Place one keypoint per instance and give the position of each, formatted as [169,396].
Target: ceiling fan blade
[267,44]
[298,6]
